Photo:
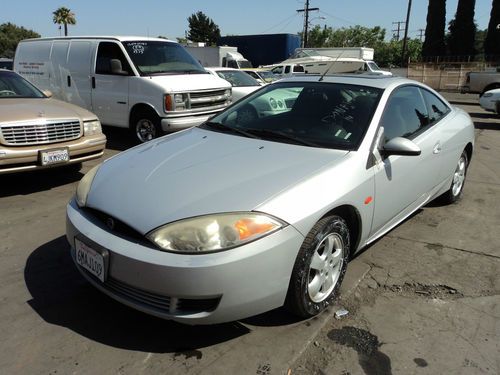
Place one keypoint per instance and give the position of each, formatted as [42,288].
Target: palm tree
[64,16]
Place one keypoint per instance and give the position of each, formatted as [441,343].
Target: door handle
[437,148]
[93,82]
[69,81]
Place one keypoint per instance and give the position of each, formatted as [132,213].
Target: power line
[279,23]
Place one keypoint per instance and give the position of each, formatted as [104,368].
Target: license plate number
[54,156]
[89,259]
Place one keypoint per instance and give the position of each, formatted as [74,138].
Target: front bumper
[26,158]
[488,104]
[172,124]
[194,289]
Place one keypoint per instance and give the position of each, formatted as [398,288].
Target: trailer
[224,56]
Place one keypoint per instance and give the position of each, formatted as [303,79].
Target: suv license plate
[89,259]
[54,156]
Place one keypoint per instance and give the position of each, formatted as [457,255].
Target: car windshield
[319,114]
[158,58]
[13,85]
[237,78]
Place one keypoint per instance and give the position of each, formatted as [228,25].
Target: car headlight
[213,232]
[83,188]
[92,127]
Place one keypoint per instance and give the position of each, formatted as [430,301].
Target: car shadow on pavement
[61,296]
[487,125]
[463,102]
[483,115]
[118,139]
[26,183]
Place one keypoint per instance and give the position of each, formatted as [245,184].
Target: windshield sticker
[137,47]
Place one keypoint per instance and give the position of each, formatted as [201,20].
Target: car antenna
[331,66]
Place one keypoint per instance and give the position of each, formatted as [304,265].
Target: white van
[149,85]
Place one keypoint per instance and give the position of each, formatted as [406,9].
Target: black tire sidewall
[298,299]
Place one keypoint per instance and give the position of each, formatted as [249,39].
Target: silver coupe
[264,204]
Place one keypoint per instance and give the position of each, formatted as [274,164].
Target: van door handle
[93,82]
[69,81]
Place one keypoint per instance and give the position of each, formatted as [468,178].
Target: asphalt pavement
[423,299]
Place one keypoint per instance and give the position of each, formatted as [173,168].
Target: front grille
[158,302]
[40,133]
[204,99]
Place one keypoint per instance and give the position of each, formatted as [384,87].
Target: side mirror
[116,67]
[400,146]
[47,93]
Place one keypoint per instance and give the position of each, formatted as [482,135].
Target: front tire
[145,126]
[319,268]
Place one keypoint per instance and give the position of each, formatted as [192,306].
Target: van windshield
[158,58]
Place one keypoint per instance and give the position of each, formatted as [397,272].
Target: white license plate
[89,259]
[54,156]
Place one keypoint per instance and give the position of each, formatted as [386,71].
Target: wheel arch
[490,86]
[469,149]
[353,218]
[140,108]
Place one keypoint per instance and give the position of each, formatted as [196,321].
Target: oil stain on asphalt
[371,359]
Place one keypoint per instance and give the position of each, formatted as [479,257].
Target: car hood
[15,110]
[190,82]
[198,172]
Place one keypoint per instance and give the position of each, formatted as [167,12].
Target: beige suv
[39,132]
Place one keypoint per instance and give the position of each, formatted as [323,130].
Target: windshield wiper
[225,128]
[281,135]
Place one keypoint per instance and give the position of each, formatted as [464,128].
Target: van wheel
[145,126]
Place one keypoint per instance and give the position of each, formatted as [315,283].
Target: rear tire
[319,268]
[457,184]
[145,126]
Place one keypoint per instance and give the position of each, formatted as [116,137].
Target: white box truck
[224,56]
[149,85]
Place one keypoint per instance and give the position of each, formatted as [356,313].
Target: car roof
[222,68]
[119,38]
[372,80]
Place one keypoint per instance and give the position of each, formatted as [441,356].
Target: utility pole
[306,11]
[403,54]
[397,31]
[421,34]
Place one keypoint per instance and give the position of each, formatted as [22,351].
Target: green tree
[11,35]
[434,31]
[355,36]
[492,41]
[64,16]
[462,30]
[203,29]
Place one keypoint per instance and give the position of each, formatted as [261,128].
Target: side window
[405,113]
[437,109]
[278,70]
[287,69]
[106,52]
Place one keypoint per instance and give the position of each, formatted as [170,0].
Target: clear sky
[169,18]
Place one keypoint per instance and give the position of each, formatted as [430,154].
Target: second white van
[149,85]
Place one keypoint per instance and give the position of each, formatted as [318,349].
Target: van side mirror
[47,93]
[400,146]
[116,67]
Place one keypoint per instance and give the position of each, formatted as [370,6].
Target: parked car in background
[6,63]
[148,85]
[239,216]
[480,82]
[262,75]
[242,84]
[38,132]
[490,101]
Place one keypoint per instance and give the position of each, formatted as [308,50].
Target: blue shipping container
[263,49]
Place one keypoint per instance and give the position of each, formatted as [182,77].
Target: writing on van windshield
[137,47]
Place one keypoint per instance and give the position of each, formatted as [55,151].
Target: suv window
[405,113]
[287,69]
[437,109]
[105,53]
